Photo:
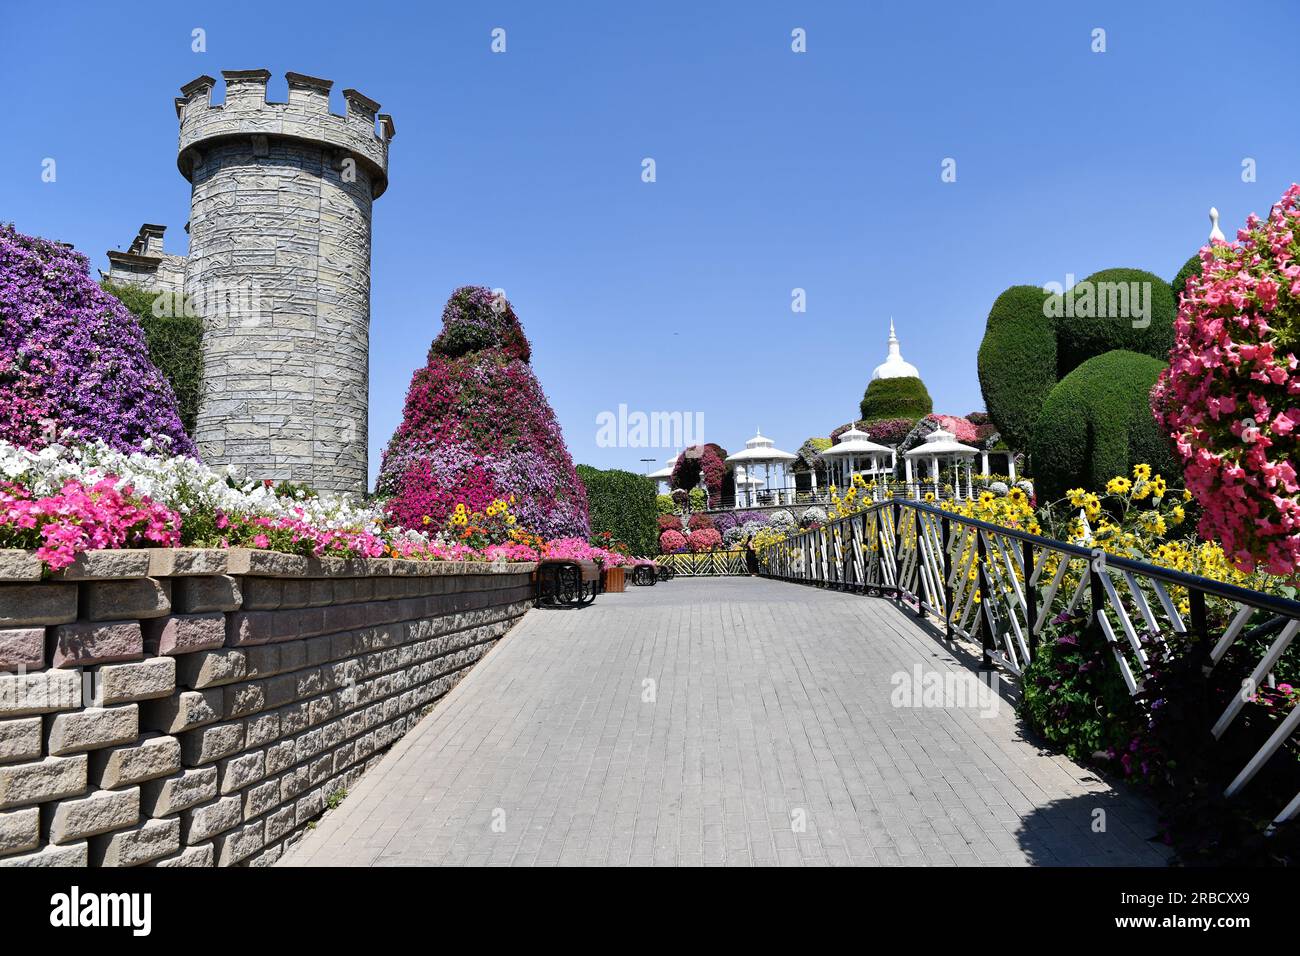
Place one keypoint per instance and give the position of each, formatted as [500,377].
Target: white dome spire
[894,366]
[1215,232]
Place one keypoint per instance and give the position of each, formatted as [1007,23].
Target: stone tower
[279,267]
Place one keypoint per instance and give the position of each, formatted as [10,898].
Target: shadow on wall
[1096,829]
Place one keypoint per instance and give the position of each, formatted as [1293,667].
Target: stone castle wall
[198,708]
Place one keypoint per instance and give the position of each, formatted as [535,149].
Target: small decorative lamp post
[761,451]
[853,449]
[940,444]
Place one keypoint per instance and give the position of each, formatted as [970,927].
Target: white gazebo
[940,446]
[761,451]
[746,485]
[854,450]
[664,474]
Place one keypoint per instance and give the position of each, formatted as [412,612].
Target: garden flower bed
[63,500]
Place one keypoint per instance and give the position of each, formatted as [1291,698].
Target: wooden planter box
[613,582]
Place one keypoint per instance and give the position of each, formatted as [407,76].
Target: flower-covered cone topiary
[477,427]
[73,357]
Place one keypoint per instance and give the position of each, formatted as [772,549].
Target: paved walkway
[771,738]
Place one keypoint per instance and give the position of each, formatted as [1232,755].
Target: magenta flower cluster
[72,357]
[1230,399]
[477,427]
[78,518]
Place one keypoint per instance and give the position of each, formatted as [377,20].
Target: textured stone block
[60,856]
[139,680]
[262,594]
[91,728]
[39,693]
[250,627]
[175,562]
[118,767]
[131,599]
[240,700]
[280,823]
[42,780]
[207,744]
[239,843]
[71,820]
[206,594]
[190,856]
[236,773]
[249,562]
[151,840]
[22,647]
[179,634]
[21,739]
[26,605]
[161,798]
[20,830]
[202,823]
[83,643]
[211,668]
[106,564]
[19,565]
[184,710]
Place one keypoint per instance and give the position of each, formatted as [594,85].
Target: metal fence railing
[1001,587]
[706,564]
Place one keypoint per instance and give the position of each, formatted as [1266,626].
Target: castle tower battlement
[279,264]
[306,116]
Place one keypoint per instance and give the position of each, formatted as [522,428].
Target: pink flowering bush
[962,429]
[706,539]
[1230,399]
[670,542]
[477,427]
[78,518]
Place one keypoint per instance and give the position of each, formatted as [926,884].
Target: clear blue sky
[775,171]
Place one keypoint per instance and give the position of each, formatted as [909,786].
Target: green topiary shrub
[1097,423]
[623,504]
[665,505]
[895,398]
[1192,267]
[1017,362]
[175,346]
[1127,309]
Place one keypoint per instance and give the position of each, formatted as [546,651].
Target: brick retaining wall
[198,707]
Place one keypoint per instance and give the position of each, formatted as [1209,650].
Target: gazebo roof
[760,449]
[854,442]
[666,471]
[940,442]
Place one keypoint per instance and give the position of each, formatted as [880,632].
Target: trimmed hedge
[1017,362]
[623,504]
[1192,267]
[1079,338]
[1097,423]
[895,398]
[175,347]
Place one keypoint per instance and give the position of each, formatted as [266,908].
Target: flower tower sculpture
[477,427]
[1230,399]
[73,357]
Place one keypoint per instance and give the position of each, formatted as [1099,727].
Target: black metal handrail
[940,561]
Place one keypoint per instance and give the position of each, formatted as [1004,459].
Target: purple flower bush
[477,427]
[73,358]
